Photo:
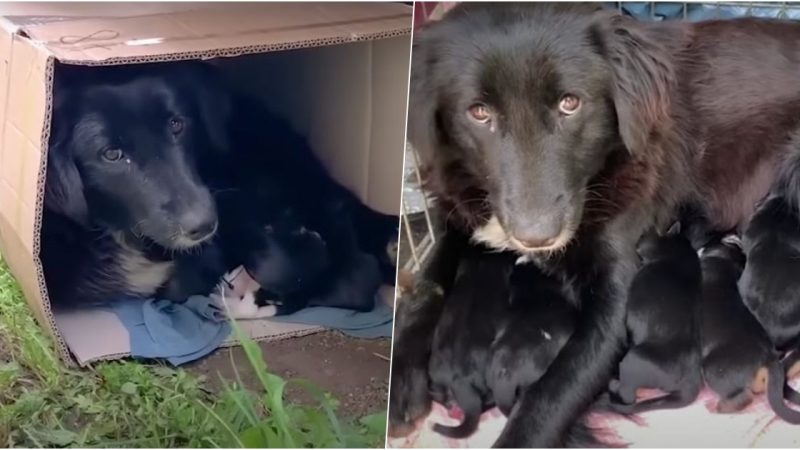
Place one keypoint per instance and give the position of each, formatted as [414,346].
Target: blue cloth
[373,324]
[184,332]
[177,332]
[705,11]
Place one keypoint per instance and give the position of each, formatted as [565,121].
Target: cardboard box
[353,54]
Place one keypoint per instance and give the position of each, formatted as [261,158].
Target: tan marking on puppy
[759,385]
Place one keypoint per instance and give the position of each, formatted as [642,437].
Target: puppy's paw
[409,399]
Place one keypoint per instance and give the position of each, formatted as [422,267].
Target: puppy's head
[527,101]
[291,258]
[728,247]
[672,246]
[124,153]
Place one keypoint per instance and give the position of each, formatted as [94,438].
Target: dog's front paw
[409,399]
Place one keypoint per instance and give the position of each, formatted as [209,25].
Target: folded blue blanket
[177,332]
[184,332]
[373,324]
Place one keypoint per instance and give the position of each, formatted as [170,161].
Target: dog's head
[527,102]
[124,150]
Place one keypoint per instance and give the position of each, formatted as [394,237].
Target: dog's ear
[642,74]
[421,126]
[63,185]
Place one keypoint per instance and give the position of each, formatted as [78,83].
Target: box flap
[211,30]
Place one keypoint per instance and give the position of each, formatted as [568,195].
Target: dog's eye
[480,113]
[112,154]
[569,104]
[176,125]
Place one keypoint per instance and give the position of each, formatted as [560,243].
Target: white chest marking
[142,275]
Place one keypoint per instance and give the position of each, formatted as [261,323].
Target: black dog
[274,167]
[540,320]
[662,328]
[123,192]
[468,325]
[566,131]
[739,360]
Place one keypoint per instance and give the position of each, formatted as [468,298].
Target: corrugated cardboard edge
[232,342]
[184,56]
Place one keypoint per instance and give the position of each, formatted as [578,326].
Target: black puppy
[739,361]
[662,327]
[769,284]
[295,267]
[123,193]
[461,342]
[539,322]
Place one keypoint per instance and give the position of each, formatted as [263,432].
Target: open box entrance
[309,61]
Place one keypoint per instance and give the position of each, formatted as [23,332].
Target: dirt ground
[353,370]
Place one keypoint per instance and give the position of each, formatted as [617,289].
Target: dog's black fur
[739,360]
[123,193]
[669,113]
[469,323]
[275,168]
[663,336]
[539,322]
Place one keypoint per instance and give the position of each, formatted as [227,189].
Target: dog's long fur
[670,113]
[123,193]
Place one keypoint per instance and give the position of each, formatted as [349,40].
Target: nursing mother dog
[564,132]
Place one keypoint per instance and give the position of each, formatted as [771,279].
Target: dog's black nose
[197,227]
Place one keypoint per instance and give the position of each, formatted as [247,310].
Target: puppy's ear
[63,185]
[642,74]
[675,229]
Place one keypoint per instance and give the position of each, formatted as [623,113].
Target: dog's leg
[584,366]
[415,321]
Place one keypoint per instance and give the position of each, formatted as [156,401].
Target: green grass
[43,403]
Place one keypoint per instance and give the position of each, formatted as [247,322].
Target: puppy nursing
[503,323]
[460,351]
[538,322]
[663,342]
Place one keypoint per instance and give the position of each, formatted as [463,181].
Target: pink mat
[694,426]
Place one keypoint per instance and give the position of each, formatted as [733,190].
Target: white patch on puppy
[243,307]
